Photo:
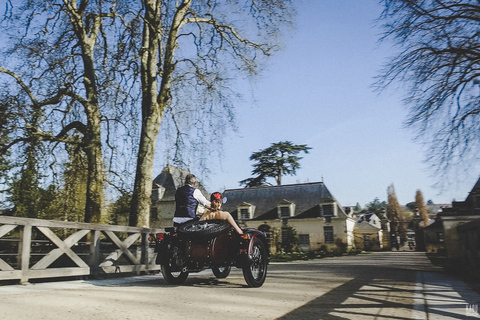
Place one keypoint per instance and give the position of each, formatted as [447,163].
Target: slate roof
[307,198]
[169,180]
[365,226]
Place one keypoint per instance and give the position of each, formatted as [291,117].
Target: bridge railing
[35,248]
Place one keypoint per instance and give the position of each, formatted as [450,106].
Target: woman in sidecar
[215,213]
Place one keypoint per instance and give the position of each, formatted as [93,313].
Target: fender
[260,235]
[245,255]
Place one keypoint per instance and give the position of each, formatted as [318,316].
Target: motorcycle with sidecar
[211,244]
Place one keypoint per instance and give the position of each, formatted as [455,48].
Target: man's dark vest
[185,203]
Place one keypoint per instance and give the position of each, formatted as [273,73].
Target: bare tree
[61,70]
[439,60]
[189,49]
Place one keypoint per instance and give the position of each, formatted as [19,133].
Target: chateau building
[310,209]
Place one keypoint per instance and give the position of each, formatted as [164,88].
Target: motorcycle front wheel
[172,276]
[256,273]
[221,272]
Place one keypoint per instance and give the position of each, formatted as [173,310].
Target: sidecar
[211,244]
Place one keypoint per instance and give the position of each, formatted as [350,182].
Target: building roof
[471,205]
[307,198]
[438,224]
[365,226]
[367,217]
[169,180]
[473,198]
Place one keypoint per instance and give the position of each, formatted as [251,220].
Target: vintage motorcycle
[211,244]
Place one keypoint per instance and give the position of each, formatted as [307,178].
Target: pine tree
[68,202]
[25,191]
[290,239]
[358,207]
[377,207]
[275,161]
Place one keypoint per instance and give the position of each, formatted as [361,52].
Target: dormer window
[328,210]
[285,212]
[246,211]
[285,209]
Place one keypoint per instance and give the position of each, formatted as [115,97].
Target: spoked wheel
[256,273]
[221,272]
[173,275]
[210,228]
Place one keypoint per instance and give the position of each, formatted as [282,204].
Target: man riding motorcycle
[187,199]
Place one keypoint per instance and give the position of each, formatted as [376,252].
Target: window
[304,241]
[244,213]
[284,212]
[328,210]
[285,209]
[328,232]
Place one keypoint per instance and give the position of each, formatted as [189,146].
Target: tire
[256,273]
[171,276]
[204,228]
[221,272]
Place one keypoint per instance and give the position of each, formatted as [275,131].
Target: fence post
[145,251]
[95,253]
[24,252]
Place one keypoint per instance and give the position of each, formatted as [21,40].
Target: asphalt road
[384,285]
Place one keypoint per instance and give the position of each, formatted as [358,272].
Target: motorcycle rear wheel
[173,277]
[256,273]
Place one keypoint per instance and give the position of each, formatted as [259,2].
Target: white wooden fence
[35,248]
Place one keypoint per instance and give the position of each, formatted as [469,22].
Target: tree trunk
[151,119]
[93,150]
[92,141]
[154,102]
[142,192]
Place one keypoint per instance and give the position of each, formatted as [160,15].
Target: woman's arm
[227,216]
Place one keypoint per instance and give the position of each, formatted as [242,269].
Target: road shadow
[157,280]
[334,301]
[380,293]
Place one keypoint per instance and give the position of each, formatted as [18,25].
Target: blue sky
[318,91]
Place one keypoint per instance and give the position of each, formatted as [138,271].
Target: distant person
[187,199]
[215,213]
